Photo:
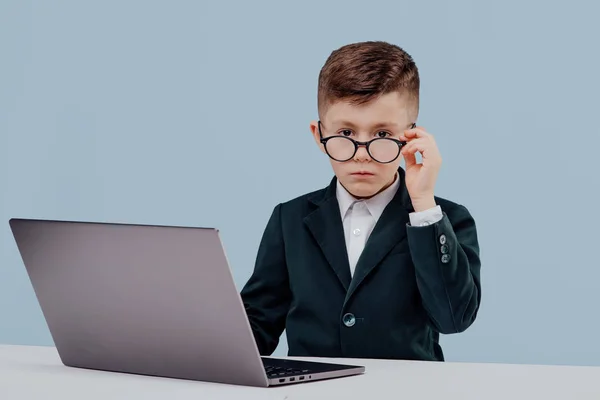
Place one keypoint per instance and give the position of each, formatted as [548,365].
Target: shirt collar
[376,204]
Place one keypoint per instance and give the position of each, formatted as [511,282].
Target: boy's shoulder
[305,200]
[302,205]
[447,204]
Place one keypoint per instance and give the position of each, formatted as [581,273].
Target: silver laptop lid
[140,299]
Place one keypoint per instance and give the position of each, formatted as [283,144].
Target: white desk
[37,373]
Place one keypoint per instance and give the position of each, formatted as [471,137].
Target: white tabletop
[28,372]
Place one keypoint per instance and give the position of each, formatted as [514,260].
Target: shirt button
[349,320]
[356,232]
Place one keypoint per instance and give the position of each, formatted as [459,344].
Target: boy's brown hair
[361,72]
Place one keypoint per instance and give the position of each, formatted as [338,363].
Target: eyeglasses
[343,148]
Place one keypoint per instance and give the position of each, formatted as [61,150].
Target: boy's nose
[362,154]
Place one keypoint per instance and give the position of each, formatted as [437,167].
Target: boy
[374,265]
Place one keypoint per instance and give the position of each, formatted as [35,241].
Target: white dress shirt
[360,216]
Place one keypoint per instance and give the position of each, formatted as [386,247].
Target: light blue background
[197,113]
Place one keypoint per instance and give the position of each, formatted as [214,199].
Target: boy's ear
[314,128]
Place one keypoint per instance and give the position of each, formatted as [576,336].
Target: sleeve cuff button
[442,239]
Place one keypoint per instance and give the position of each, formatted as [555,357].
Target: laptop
[150,300]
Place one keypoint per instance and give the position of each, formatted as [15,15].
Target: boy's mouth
[362,173]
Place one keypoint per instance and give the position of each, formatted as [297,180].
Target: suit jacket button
[442,239]
[349,320]
[444,249]
[446,258]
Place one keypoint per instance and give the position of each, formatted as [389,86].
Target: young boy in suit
[374,265]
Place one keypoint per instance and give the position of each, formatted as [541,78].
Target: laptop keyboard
[280,372]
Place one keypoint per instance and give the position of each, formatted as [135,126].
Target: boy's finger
[409,159]
[415,145]
[416,133]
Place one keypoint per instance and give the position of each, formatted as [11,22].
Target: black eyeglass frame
[357,144]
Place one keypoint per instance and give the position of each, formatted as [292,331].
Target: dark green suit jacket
[410,283]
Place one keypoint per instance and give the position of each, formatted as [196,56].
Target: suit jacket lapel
[325,224]
[389,230]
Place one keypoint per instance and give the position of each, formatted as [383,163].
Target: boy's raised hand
[421,178]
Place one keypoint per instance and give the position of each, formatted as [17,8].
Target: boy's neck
[375,194]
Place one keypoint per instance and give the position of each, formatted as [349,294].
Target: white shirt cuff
[427,217]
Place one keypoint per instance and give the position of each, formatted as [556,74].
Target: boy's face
[387,116]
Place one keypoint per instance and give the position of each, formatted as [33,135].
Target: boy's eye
[380,134]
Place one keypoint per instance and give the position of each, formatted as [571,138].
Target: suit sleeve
[447,263]
[266,296]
